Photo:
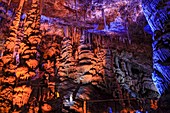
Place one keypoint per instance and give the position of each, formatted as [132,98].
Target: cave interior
[84,56]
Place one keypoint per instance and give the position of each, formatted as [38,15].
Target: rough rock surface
[157,14]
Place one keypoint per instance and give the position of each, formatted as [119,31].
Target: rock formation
[157,15]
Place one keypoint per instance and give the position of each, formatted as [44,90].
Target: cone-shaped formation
[8,62]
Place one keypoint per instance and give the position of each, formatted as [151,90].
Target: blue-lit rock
[161,55]
[147,28]
[117,25]
[164,70]
[157,14]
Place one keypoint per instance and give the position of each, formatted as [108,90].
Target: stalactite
[98,43]
[71,35]
[41,6]
[95,44]
[89,38]
[84,36]
[66,31]
[77,36]
[74,29]
[104,19]
[74,35]
[9,2]
[80,33]
[99,40]
[123,40]
[82,39]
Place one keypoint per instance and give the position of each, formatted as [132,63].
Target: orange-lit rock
[46,107]
[21,95]
[10,79]
[21,71]
[154,104]
[34,39]
[32,63]
[6,58]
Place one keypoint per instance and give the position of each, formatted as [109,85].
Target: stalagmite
[9,45]
[32,35]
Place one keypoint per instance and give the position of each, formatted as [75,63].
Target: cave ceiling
[86,11]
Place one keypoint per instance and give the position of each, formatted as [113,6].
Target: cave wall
[157,15]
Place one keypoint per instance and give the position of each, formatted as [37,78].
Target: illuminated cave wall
[80,62]
[9,65]
[157,15]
